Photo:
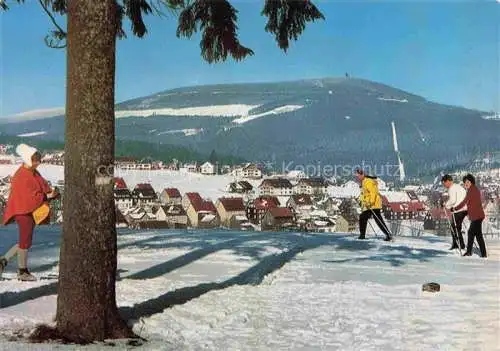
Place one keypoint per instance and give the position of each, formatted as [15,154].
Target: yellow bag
[41,213]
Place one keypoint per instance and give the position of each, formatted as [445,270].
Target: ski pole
[381,221]
[455,228]
[371,225]
[455,239]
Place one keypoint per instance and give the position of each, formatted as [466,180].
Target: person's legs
[26,226]
[363,222]
[480,239]
[458,219]
[473,229]
[11,253]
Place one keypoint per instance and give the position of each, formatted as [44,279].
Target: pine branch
[287,19]
[5,7]
[216,19]
[54,39]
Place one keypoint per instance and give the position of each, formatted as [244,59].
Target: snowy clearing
[235,110]
[186,132]
[32,134]
[219,290]
[275,111]
[393,100]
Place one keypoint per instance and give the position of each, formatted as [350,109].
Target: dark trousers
[475,231]
[366,215]
[456,227]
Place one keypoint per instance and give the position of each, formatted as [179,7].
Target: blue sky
[446,51]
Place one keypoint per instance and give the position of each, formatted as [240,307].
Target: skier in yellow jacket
[371,205]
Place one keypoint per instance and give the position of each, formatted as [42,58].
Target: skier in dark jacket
[475,213]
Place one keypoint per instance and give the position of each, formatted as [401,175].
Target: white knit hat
[26,152]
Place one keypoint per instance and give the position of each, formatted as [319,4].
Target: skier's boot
[24,275]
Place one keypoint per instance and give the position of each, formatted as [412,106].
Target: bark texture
[86,303]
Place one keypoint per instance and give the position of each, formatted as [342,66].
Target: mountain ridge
[330,120]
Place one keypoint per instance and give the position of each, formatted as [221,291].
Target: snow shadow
[9,298]
[206,249]
[291,243]
[253,276]
[396,255]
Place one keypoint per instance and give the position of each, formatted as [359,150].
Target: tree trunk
[86,303]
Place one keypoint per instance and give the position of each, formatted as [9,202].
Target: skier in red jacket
[475,213]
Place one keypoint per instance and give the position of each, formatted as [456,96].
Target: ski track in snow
[219,290]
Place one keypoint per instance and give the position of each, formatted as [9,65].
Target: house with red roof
[120,183]
[403,210]
[258,207]
[278,218]
[190,198]
[232,212]
[171,196]
[201,213]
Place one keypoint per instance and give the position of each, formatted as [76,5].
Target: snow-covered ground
[219,290]
[210,187]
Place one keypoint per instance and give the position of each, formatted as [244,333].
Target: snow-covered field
[210,187]
[234,110]
[219,290]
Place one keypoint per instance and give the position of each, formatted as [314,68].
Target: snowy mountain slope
[218,290]
[331,120]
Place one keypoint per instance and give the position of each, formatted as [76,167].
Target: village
[255,200]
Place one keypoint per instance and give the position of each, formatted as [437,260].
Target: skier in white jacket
[456,194]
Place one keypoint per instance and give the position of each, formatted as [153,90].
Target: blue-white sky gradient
[446,51]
